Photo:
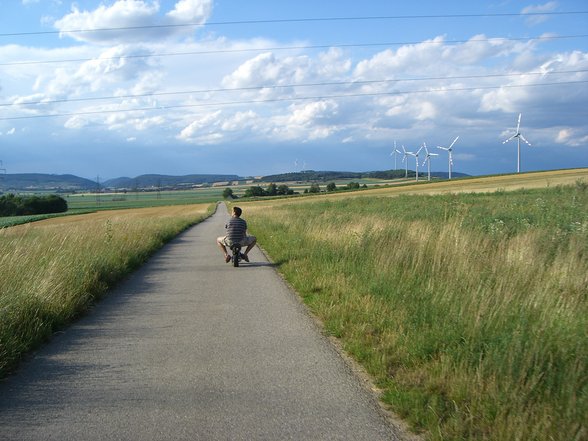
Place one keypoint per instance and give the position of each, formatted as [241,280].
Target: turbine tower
[395,153]
[450,151]
[405,154]
[518,135]
[428,161]
[416,157]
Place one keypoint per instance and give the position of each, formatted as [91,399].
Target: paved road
[190,348]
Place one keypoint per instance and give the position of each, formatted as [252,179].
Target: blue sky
[197,87]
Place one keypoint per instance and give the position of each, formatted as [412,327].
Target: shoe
[227,258]
[244,257]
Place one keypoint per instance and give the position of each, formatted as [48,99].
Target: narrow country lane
[190,348]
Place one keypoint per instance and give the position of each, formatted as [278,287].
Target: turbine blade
[523,138]
[509,139]
[519,123]
[456,138]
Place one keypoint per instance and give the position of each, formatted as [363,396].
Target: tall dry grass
[51,271]
[470,311]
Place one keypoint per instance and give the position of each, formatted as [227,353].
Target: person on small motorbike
[236,233]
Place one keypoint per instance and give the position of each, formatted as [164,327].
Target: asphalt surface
[190,348]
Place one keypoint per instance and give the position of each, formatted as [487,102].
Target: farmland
[466,301]
[470,310]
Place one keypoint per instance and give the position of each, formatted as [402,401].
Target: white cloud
[76,122]
[572,137]
[266,69]
[202,127]
[124,15]
[332,64]
[435,57]
[313,112]
[191,11]
[537,9]
[526,91]
[240,121]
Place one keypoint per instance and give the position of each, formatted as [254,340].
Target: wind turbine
[405,154]
[395,152]
[428,160]
[450,151]
[518,135]
[416,157]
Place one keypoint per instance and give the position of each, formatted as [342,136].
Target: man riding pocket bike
[236,233]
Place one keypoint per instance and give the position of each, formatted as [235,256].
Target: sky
[127,87]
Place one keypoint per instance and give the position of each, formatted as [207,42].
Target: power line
[285,86]
[274,100]
[284,48]
[298,20]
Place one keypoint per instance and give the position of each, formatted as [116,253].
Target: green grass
[469,310]
[143,199]
[11,221]
[52,272]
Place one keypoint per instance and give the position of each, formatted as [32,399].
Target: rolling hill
[69,183]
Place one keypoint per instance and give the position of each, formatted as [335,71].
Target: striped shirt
[236,230]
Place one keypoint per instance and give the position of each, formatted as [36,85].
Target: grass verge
[469,310]
[52,270]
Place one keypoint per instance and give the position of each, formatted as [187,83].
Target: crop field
[53,269]
[108,201]
[470,310]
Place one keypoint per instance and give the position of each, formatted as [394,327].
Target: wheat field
[52,270]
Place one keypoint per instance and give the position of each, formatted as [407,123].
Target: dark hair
[237,211]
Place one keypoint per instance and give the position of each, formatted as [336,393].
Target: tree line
[283,190]
[14,205]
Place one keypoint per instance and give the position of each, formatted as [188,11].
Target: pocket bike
[236,257]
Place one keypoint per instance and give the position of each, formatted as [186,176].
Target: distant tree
[314,188]
[331,186]
[364,186]
[353,186]
[272,189]
[228,193]
[11,205]
[283,189]
[254,191]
